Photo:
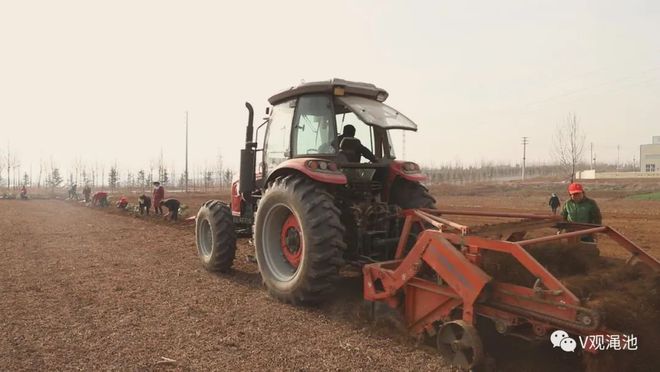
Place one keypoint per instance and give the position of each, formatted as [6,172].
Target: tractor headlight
[313,165]
[410,167]
[321,166]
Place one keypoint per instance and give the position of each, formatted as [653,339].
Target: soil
[626,297]
[96,289]
[85,288]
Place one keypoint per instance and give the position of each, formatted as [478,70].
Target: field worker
[73,193]
[87,191]
[144,202]
[24,192]
[173,208]
[554,203]
[158,196]
[123,202]
[100,198]
[581,209]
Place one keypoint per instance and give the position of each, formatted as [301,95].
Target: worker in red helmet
[579,208]
[123,202]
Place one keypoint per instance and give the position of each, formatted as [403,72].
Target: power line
[613,83]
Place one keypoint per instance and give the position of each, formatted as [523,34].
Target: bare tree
[208,178]
[42,166]
[569,144]
[141,179]
[228,176]
[12,164]
[2,165]
[219,169]
[113,177]
[77,168]
[54,179]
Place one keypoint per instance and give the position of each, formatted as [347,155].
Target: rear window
[377,113]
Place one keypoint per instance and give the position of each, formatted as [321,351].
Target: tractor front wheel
[298,239]
[215,236]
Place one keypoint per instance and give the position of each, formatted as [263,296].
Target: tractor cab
[335,133]
[337,124]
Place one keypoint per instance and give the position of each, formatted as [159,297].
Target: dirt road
[86,289]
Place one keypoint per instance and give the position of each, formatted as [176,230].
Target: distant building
[649,156]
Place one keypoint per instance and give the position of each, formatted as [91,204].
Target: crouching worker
[173,208]
[144,202]
[122,203]
[100,199]
[24,192]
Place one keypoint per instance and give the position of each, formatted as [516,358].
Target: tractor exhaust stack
[248,158]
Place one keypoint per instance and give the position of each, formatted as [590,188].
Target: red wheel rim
[291,241]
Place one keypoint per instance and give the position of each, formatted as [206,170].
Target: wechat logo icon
[560,339]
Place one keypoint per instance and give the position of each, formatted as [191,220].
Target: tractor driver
[349,132]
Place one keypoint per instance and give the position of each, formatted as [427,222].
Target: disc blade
[447,334]
[460,360]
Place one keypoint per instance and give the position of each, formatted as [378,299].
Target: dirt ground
[93,289]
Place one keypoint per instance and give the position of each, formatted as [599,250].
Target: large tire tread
[323,234]
[223,236]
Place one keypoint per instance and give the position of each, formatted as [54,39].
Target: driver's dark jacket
[365,152]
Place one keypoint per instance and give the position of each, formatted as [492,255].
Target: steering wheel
[326,148]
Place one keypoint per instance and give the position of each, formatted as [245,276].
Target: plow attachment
[517,274]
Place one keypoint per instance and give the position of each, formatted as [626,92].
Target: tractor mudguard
[301,165]
[407,170]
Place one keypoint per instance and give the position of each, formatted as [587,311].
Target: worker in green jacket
[581,209]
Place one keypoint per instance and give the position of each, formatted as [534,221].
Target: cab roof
[328,86]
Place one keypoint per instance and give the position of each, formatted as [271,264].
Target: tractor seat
[349,150]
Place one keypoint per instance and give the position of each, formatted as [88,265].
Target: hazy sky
[110,81]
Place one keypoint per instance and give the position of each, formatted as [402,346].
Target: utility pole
[618,153]
[525,141]
[186,151]
[591,158]
[594,161]
[161,167]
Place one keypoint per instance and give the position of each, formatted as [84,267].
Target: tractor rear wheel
[215,236]
[408,194]
[298,239]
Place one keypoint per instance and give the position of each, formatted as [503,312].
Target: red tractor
[315,206]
